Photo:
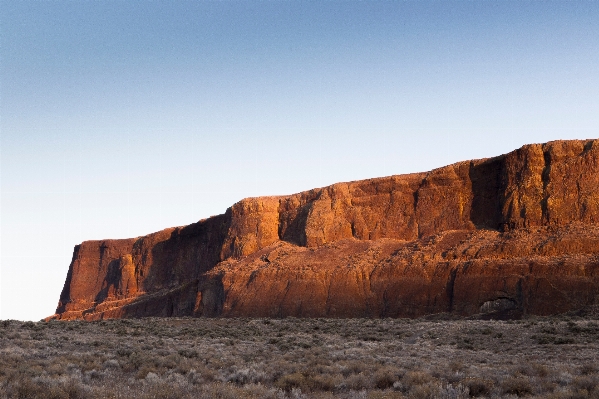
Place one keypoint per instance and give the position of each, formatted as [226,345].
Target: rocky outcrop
[511,235]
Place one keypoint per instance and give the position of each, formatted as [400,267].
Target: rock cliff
[500,237]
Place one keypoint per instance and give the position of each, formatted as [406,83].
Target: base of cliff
[458,273]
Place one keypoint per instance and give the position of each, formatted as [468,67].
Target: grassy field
[300,358]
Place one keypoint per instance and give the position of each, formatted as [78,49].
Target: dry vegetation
[300,358]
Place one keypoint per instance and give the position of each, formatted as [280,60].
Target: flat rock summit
[513,235]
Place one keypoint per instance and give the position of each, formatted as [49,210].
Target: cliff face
[505,236]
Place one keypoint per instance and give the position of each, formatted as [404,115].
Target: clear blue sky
[120,118]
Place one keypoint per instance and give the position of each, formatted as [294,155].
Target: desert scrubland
[552,357]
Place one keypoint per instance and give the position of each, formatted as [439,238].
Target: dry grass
[300,358]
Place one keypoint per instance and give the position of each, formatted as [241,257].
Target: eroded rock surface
[511,235]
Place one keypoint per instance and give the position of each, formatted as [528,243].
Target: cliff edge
[500,237]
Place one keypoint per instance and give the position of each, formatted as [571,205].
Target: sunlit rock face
[506,236]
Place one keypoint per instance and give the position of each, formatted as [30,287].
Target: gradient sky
[120,118]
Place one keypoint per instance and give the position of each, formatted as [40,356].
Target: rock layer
[511,235]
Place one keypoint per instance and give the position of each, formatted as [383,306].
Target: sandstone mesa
[507,236]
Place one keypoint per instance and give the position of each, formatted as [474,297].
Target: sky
[121,118]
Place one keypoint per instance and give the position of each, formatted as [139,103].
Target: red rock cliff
[513,234]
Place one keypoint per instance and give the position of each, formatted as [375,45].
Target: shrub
[478,386]
[290,381]
[358,382]
[188,353]
[385,378]
[426,391]
[415,378]
[587,382]
[518,386]
[588,368]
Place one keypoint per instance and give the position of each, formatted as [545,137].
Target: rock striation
[500,237]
